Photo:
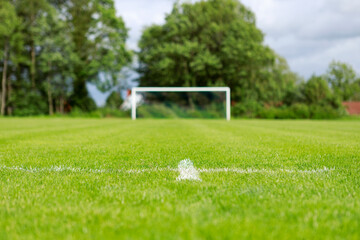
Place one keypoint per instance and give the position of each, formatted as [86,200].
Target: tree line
[50,50]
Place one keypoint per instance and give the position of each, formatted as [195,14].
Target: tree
[209,43]
[281,82]
[316,90]
[56,59]
[9,39]
[356,96]
[343,80]
[50,50]
[99,38]
[32,11]
[114,100]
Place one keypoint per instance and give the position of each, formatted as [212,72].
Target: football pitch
[66,178]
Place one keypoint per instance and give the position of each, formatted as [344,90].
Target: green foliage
[249,108]
[29,103]
[343,80]
[295,95]
[316,90]
[33,13]
[55,47]
[86,104]
[9,20]
[57,59]
[325,112]
[295,111]
[300,111]
[213,43]
[99,37]
[114,100]
[282,83]
[11,44]
[270,113]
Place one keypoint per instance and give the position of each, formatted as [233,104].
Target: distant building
[353,108]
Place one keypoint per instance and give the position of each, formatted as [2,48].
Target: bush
[286,113]
[249,108]
[301,111]
[267,113]
[325,112]
[30,104]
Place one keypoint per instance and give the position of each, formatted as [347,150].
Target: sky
[308,33]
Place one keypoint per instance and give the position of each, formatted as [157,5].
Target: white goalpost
[178,89]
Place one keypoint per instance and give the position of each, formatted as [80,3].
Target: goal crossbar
[179,89]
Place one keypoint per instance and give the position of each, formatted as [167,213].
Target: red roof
[353,108]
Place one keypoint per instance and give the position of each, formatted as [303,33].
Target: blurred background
[281,59]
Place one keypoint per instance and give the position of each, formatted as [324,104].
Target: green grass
[272,204]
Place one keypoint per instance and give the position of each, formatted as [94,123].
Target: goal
[135,97]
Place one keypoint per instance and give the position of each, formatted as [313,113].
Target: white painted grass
[168,169]
[187,171]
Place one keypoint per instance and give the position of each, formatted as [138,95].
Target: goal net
[180,102]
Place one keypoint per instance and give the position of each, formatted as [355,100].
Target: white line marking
[168,169]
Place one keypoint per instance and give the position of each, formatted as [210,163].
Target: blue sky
[308,33]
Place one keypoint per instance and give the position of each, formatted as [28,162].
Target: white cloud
[342,50]
[138,14]
[310,34]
